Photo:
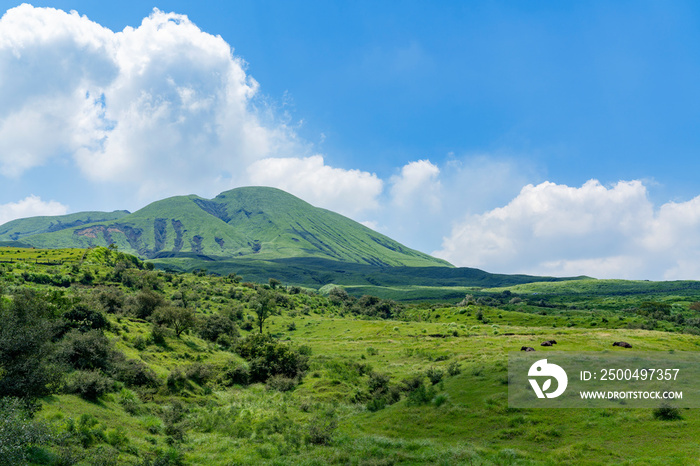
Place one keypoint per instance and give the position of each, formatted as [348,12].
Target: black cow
[554,342]
[546,343]
[623,344]
[527,348]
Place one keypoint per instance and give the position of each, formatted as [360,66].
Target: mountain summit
[251,222]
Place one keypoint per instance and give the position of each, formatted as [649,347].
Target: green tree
[147,302]
[88,351]
[177,318]
[338,296]
[27,328]
[264,305]
[268,356]
[212,327]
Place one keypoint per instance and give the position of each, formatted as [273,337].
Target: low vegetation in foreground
[106,361]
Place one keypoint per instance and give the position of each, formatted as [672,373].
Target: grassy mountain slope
[423,385]
[262,223]
[24,227]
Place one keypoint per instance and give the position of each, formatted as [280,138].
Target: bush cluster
[268,356]
[218,328]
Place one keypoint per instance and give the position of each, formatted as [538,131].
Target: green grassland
[331,415]
[13,254]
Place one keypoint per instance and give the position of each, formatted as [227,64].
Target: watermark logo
[542,368]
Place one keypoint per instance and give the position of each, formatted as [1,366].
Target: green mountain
[244,223]
[261,233]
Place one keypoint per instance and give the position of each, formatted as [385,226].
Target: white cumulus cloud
[418,185]
[162,108]
[606,232]
[349,192]
[31,206]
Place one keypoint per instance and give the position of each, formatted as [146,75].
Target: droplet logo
[542,368]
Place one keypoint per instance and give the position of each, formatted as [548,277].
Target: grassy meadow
[375,382]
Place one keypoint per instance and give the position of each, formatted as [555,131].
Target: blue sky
[471,130]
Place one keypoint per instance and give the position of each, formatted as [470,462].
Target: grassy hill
[385,383]
[16,230]
[253,222]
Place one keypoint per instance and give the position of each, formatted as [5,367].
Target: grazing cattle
[527,348]
[546,343]
[623,344]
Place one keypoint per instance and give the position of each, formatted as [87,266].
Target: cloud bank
[31,206]
[607,232]
[158,107]
[349,192]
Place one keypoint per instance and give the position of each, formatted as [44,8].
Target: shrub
[117,437]
[321,429]
[87,278]
[146,302]
[435,375]
[268,356]
[89,385]
[226,341]
[18,432]
[376,404]
[281,383]
[140,343]
[454,369]
[101,455]
[200,373]
[176,380]
[666,412]
[173,417]
[440,400]
[88,351]
[338,296]
[153,425]
[235,375]
[129,401]
[168,457]
[111,299]
[135,373]
[411,383]
[421,395]
[158,334]
[378,384]
[217,325]
[84,319]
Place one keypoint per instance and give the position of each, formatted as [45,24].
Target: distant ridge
[15,230]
